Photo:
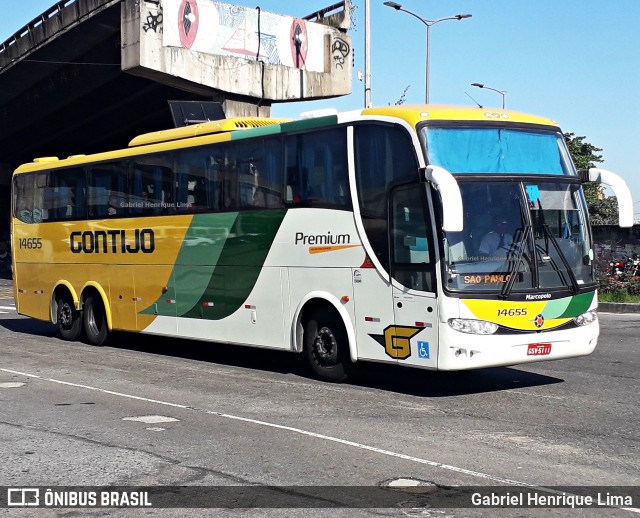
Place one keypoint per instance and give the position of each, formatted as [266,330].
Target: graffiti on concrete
[188,22]
[153,23]
[223,29]
[299,42]
[339,51]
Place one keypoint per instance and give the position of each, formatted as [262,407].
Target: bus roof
[413,114]
[205,128]
[201,133]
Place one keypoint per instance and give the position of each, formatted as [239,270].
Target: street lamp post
[503,93]
[428,24]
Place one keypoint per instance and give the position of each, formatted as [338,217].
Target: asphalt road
[148,411]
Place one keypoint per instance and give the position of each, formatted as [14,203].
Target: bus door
[414,337]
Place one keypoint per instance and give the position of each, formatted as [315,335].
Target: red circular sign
[299,42]
[188,20]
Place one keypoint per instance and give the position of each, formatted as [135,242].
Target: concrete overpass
[88,75]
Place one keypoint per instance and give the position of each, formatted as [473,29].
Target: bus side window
[151,185]
[230,185]
[294,188]
[384,155]
[23,197]
[107,190]
[40,212]
[213,183]
[67,194]
[316,165]
[410,230]
[191,168]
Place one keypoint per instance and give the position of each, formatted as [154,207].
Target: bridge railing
[45,25]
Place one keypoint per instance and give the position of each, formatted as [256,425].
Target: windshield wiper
[572,276]
[508,286]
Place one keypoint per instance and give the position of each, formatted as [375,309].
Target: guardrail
[58,17]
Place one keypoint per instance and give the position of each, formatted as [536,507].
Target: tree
[602,211]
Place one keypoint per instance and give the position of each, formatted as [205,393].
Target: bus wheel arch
[95,312]
[324,333]
[65,313]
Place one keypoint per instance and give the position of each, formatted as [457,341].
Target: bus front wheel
[95,321]
[326,347]
[69,319]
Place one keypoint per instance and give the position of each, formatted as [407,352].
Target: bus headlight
[475,327]
[586,318]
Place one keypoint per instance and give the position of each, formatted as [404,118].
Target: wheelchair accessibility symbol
[423,350]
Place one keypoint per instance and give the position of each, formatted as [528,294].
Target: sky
[574,61]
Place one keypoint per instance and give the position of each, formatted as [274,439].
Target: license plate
[538,349]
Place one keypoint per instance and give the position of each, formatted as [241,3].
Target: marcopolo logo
[113,241]
[538,296]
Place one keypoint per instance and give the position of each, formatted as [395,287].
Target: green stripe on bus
[306,124]
[239,264]
[256,132]
[578,305]
[199,253]
[218,264]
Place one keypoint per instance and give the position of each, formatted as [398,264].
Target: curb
[618,307]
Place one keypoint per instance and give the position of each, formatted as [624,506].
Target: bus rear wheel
[326,347]
[68,318]
[95,321]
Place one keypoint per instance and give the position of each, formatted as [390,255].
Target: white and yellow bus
[365,236]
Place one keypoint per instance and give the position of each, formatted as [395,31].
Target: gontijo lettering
[112,241]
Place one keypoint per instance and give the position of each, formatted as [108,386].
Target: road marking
[12,384]
[388,453]
[6,309]
[151,419]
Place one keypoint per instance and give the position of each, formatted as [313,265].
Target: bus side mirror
[447,186]
[619,188]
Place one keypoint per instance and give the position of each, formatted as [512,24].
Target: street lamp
[428,23]
[503,93]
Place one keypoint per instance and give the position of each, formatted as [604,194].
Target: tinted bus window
[107,190]
[193,173]
[23,186]
[384,155]
[66,194]
[151,189]
[246,175]
[316,169]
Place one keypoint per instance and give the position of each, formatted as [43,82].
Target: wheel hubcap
[65,315]
[325,346]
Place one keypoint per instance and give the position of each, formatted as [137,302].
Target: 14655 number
[31,243]
[513,312]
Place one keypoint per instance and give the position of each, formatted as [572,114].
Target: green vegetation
[618,297]
[602,211]
[624,288]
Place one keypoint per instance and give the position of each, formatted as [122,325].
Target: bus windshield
[535,232]
[497,150]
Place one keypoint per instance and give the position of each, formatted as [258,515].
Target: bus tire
[95,320]
[69,320]
[326,347]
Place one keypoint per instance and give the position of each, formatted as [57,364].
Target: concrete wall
[244,57]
